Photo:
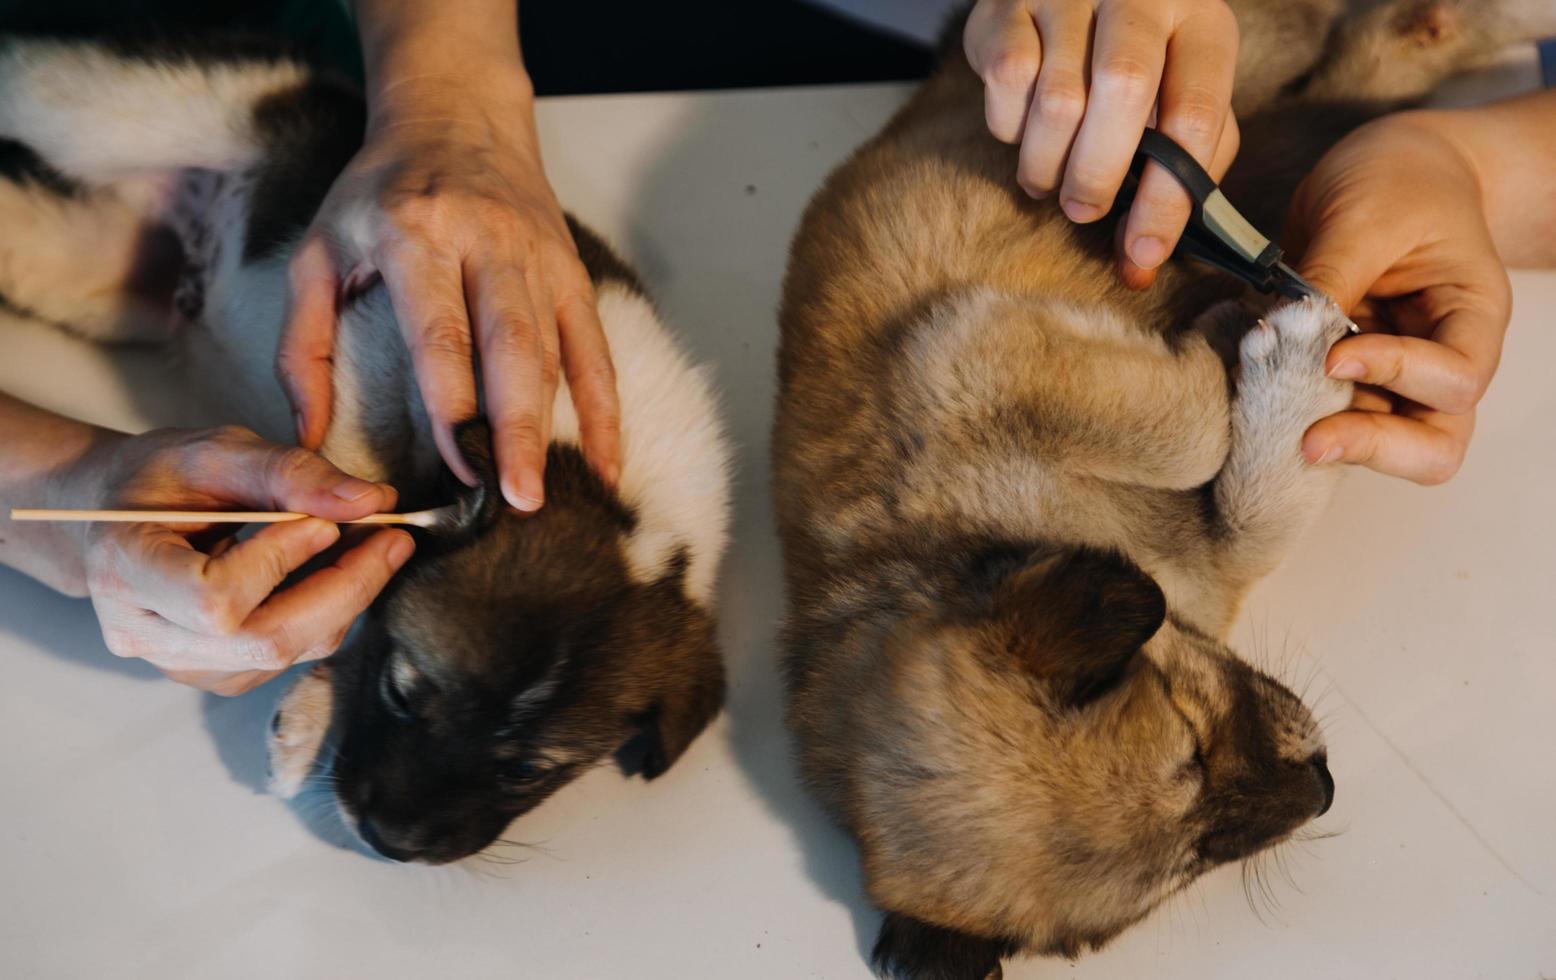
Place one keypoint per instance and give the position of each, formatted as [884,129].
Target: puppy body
[1020,505]
[156,195]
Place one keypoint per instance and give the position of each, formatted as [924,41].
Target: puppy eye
[394,699]
[524,771]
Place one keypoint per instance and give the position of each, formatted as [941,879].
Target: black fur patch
[908,949]
[20,165]
[311,133]
[600,260]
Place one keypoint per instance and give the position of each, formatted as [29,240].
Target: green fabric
[322,29]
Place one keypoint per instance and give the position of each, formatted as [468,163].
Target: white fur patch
[98,116]
[675,458]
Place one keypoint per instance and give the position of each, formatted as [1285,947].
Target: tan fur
[974,415]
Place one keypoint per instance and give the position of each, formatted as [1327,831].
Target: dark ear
[1078,618]
[908,949]
[688,674]
[478,507]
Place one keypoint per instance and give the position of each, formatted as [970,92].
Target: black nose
[1320,764]
[370,835]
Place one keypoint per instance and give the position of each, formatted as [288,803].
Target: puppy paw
[1282,363]
[297,731]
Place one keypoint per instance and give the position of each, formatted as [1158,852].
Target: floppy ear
[686,704]
[1078,619]
[677,656]
[478,507]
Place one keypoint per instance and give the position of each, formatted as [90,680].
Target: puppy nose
[374,838]
[1320,764]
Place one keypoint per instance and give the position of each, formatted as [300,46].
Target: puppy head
[1038,768]
[512,655]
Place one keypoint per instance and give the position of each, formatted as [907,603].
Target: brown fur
[991,463]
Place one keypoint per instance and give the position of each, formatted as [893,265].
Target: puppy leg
[1267,493]
[297,731]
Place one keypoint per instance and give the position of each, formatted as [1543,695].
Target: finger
[1004,48]
[304,360]
[223,683]
[513,363]
[308,621]
[1058,98]
[591,378]
[428,295]
[1423,371]
[1126,71]
[244,576]
[209,596]
[1426,450]
[1339,248]
[244,469]
[1196,99]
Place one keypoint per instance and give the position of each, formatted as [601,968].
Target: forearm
[39,450]
[408,42]
[1512,147]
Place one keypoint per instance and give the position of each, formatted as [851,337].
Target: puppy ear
[477,508]
[687,678]
[908,949]
[1078,619]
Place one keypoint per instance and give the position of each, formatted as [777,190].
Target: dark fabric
[571,47]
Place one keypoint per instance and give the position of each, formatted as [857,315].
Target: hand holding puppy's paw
[297,731]
[1281,380]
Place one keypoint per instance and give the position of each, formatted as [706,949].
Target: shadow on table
[65,627]
[719,180]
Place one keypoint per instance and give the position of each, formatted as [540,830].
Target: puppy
[155,194]
[1020,505]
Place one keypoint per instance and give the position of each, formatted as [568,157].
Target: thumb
[305,359]
[1339,252]
[252,472]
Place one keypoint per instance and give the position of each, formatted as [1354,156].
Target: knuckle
[266,651]
[217,614]
[123,643]
[1197,117]
[1442,467]
[1125,80]
[291,467]
[446,337]
[1011,69]
[1060,101]
[550,367]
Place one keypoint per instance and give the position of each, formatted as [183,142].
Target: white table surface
[135,840]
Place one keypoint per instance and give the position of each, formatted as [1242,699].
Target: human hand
[1391,224]
[213,618]
[448,202]
[1167,63]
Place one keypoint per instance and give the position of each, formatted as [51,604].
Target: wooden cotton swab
[420,518]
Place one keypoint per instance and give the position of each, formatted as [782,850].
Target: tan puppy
[1020,506]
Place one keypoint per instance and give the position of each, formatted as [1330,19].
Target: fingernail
[400,549]
[351,489]
[1330,455]
[527,496]
[1148,252]
[611,475]
[1349,369]
[297,426]
[1081,212]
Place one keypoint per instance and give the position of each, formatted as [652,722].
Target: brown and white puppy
[155,194]
[1020,505]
